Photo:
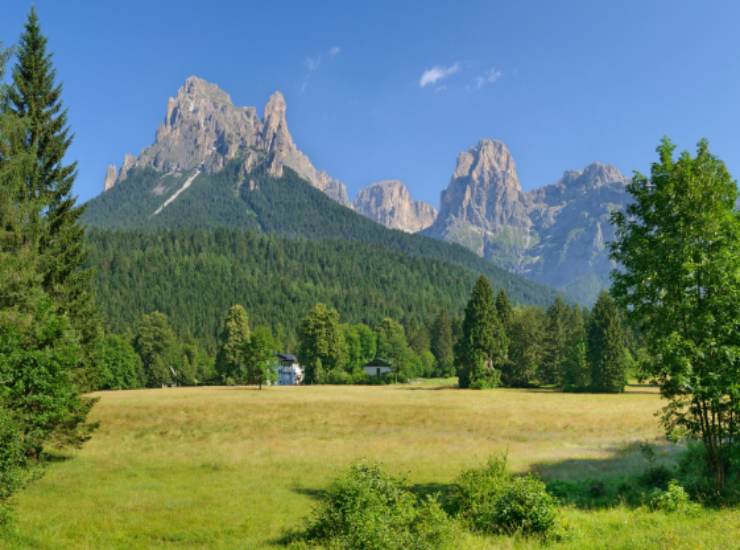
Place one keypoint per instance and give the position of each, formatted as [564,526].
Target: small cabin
[289,371]
[377,367]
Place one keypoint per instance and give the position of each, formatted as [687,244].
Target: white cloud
[437,73]
[488,77]
[334,51]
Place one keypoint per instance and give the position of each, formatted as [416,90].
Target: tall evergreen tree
[526,347]
[481,351]
[556,342]
[442,344]
[35,99]
[607,350]
[576,368]
[234,336]
[504,309]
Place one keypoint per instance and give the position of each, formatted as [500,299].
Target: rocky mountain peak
[389,203]
[489,161]
[203,129]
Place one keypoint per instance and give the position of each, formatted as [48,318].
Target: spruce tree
[607,350]
[526,347]
[234,336]
[556,343]
[576,368]
[442,345]
[481,351]
[35,99]
[504,309]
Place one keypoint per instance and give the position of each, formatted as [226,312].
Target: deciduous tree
[678,244]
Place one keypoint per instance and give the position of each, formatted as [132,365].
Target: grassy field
[238,467]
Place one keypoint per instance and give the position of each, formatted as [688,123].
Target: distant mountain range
[215,164]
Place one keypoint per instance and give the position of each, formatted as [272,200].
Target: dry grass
[237,467]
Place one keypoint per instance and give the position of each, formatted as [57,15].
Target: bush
[674,499]
[12,459]
[697,478]
[658,476]
[491,500]
[368,509]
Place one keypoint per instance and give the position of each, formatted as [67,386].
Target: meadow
[235,467]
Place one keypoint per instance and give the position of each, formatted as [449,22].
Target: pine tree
[556,342]
[526,347]
[234,336]
[442,345]
[607,350]
[481,351]
[576,368]
[504,309]
[35,99]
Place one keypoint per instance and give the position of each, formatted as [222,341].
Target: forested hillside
[286,206]
[194,276]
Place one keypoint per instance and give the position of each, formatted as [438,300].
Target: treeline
[48,323]
[565,346]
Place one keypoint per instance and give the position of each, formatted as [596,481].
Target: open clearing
[237,467]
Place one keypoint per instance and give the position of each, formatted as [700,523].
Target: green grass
[238,468]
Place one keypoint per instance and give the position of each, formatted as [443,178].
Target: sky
[380,90]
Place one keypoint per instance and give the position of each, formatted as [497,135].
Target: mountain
[556,235]
[203,130]
[389,203]
[215,168]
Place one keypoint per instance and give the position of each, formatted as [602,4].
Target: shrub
[674,499]
[658,476]
[12,459]
[698,480]
[491,500]
[367,509]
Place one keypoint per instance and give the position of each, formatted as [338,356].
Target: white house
[377,367]
[289,372]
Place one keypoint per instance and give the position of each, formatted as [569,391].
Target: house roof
[378,362]
[288,357]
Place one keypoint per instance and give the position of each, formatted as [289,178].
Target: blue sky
[562,83]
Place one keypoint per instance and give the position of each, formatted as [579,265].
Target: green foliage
[526,347]
[366,509]
[481,351]
[442,344]
[673,499]
[35,99]
[362,345]
[322,346]
[158,348]
[394,348]
[556,342]
[234,336]
[490,500]
[118,366]
[607,349]
[12,458]
[576,367]
[259,357]
[195,276]
[679,246]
